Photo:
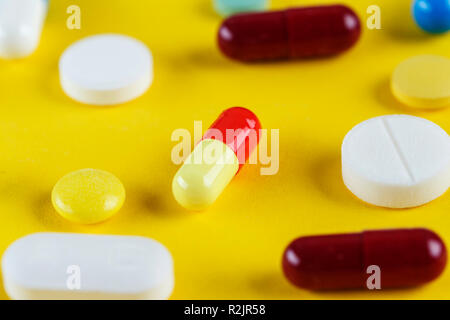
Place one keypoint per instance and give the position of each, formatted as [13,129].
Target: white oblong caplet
[82,266]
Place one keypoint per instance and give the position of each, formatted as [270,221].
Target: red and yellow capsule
[224,149]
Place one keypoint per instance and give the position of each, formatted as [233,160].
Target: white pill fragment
[106,69]
[81,266]
[21,23]
[396,161]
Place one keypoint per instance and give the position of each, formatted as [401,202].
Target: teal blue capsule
[229,7]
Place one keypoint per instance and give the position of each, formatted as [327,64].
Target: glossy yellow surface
[233,249]
[88,196]
[423,82]
[204,175]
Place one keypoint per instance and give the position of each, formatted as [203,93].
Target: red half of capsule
[239,128]
[293,33]
[406,257]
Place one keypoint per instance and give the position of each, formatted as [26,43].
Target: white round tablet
[396,161]
[106,69]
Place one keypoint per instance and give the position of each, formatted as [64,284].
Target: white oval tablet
[396,161]
[81,266]
[106,69]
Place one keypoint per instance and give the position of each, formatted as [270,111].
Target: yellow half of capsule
[204,174]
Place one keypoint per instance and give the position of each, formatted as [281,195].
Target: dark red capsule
[406,257]
[293,33]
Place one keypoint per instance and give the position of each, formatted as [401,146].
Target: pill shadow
[326,174]
[45,213]
[211,58]
[383,94]
[408,33]
[35,203]
[289,62]
[208,57]
[3,294]
[152,201]
[399,23]
[197,59]
[365,293]
[53,89]
[274,284]
[205,9]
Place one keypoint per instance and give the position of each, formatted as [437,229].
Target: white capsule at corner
[82,266]
[21,23]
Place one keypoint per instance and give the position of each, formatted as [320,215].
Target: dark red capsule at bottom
[293,33]
[405,257]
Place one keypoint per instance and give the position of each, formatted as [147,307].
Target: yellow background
[233,250]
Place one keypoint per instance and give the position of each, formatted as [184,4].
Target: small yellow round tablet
[88,196]
[423,82]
